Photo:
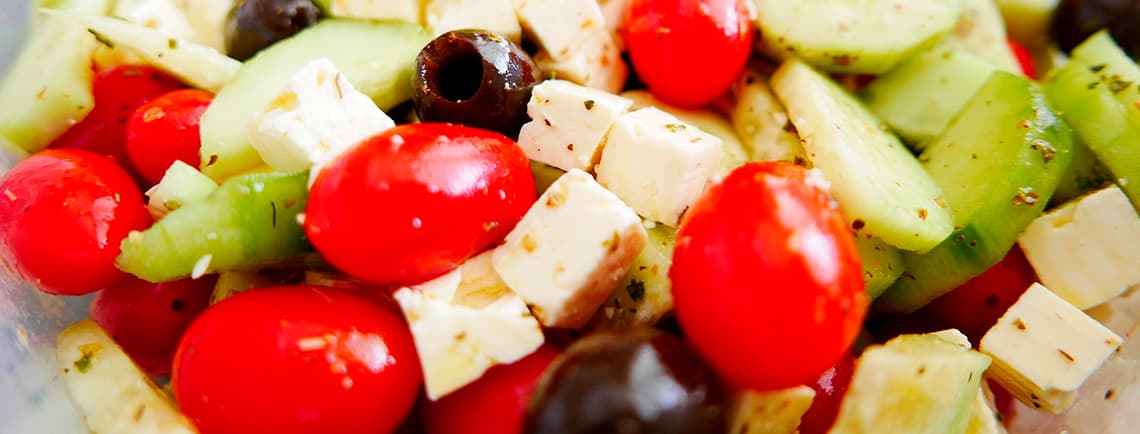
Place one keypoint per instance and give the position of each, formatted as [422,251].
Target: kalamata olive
[1076,20]
[475,78]
[634,382]
[256,24]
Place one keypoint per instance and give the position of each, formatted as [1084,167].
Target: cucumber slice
[920,97]
[197,65]
[181,185]
[913,384]
[880,186]
[762,122]
[249,221]
[232,282]
[1116,70]
[645,295]
[544,175]
[48,88]
[882,264]
[853,36]
[981,31]
[998,163]
[376,56]
[1085,175]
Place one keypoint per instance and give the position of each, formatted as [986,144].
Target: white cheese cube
[495,15]
[615,12]
[570,250]
[465,322]
[1043,349]
[209,20]
[407,10]
[733,153]
[658,164]
[162,15]
[576,43]
[775,412]
[317,115]
[569,123]
[1087,251]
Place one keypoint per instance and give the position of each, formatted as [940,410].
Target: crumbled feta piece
[1086,251]
[1044,348]
[658,164]
[495,15]
[569,123]
[465,322]
[317,115]
[576,43]
[407,10]
[209,20]
[570,250]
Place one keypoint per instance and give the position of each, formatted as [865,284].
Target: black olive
[1076,20]
[475,78]
[254,25]
[634,382]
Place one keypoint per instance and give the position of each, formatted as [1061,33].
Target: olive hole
[460,76]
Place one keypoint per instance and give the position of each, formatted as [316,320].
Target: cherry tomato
[766,278]
[63,214]
[118,92]
[688,52]
[417,200]
[165,130]
[494,404]
[829,390]
[298,359]
[147,319]
[1024,59]
[976,306]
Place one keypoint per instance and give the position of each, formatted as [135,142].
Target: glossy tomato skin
[688,52]
[766,279]
[417,200]
[63,214]
[298,360]
[118,92]
[494,404]
[165,130]
[1024,59]
[148,319]
[829,390]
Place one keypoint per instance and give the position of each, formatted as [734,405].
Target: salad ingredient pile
[579,216]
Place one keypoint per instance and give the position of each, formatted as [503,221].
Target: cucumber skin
[383,71]
[248,222]
[882,264]
[987,215]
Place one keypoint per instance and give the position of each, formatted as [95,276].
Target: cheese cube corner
[576,43]
[498,16]
[317,115]
[1044,348]
[658,164]
[407,10]
[465,322]
[571,250]
[569,123]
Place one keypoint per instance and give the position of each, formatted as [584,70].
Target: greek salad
[584,216]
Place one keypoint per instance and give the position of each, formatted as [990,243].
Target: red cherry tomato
[1024,59]
[147,319]
[63,214]
[165,130]
[829,390]
[417,200]
[298,360]
[766,279]
[976,306]
[494,404]
[688,52]
[118,92]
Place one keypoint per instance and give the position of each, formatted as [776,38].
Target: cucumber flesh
[913,384]
[853,36]
[762,122]
[544,175]
[1085,175]
[645,295]
[1028,20]
[181,185]
[998,163]
[48,88]
[248,222]
[377,57]
[920,97]
[882,264]
[197,65]
[981,31]
[878,183]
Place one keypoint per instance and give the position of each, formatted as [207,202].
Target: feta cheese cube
[317,115]
[658,164]
[465,322]
[1044,348]
[209,20]
[495,15]
[162,15]
[576,43]
[774,412]
[570,250]
[1086,251]
[407,10]
[569,123]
